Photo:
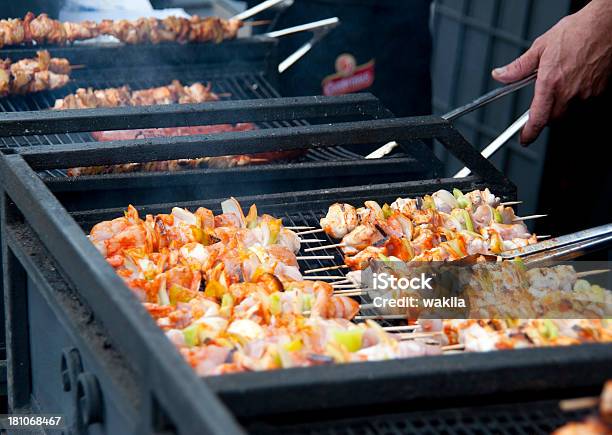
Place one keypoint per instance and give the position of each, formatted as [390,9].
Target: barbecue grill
[321,167]
[80,344]
[243,69]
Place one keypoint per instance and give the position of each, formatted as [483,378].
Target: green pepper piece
[497,217]
[469,225]
[351,340]
[191,335]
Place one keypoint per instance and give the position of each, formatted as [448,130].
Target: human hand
[573,59]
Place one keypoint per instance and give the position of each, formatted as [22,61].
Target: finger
[520,67]
[539,113]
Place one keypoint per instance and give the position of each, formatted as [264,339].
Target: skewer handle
[327,23]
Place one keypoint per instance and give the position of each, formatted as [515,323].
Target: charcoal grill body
[54,276]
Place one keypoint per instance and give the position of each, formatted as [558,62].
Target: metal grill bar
[274,109]
[316,136]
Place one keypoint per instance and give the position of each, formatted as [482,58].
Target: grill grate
[508,419]
[237,86]
[312,219]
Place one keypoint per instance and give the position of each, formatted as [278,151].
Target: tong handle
[603,232]
[498,142]
[320,29]
[327,24]
[488,97]
[569,252]
[256,9]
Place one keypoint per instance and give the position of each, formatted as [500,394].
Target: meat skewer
[230,318]
[33,75]
[174,93]
[439,227]
[44,30]
[226,290]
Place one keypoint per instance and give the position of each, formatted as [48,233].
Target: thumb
[519,68]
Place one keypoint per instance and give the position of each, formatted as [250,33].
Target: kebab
[265,319]
[434,228]
[44,30]
[33,75]
[175,93]
[235,318]
[181,250]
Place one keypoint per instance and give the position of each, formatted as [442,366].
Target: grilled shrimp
[360,238]
[340,220]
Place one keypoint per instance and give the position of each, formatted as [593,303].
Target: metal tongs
[479,102]
[319,29]
[561,248]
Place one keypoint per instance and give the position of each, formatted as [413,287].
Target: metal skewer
[312,240]
[509,203]
[300,228]
[453,347]
[345,286]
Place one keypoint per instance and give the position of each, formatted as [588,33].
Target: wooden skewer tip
[322,269]
[320,230]
[321,248]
